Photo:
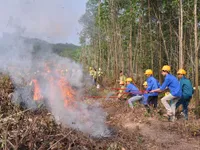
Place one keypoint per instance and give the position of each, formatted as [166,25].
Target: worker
[145,97]
[122,77]
[187,92]
[133,91]
[100,73]
[100,78]
[121,91]
[152,85]
[94,76]
[91,71]
[172,83]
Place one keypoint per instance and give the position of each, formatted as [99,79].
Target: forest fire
[55,79]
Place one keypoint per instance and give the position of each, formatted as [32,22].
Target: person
[172,83]
[152,85]
[91,71]
[133,91]
[95,76]
[100,77]
[145,97]
[122,77]
[121,91]
[187,92]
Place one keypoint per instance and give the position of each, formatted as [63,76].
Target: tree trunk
[196,59]
[181,36]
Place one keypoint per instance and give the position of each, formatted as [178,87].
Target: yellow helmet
[90,68]
[166,68]
[181,71]
[129,80]
[145,83]
[121,82]
[148,72]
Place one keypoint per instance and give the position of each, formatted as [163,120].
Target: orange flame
[37,94]
[66,91]
[60,82]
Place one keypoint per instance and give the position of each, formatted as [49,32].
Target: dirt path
[158,132]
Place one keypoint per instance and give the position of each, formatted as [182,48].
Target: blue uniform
[173,84]
[130,88]
[152,85]
[187,92]
[145,99]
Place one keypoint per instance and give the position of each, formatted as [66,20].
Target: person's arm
[162,88]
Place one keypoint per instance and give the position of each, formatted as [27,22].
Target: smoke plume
[27,59]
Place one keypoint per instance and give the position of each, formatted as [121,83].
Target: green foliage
[67,50]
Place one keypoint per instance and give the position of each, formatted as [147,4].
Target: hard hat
[181,71]
[166,68]
[148,72]
[145,83]
[129,79]
[121,82]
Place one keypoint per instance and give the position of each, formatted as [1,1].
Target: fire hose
[117,89]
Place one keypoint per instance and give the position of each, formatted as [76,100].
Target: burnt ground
[132,129]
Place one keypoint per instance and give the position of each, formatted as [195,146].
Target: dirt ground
[156,130]
[24,129]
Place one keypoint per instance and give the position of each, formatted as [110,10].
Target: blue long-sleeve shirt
[152,85]
[173,84]
[187,88]
[131,88]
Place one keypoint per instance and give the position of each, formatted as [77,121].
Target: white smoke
[24,59]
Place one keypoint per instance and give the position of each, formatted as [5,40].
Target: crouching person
[172,83]
[145,97]
[133,91]
[187,92]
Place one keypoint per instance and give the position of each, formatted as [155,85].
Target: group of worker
[96,75]
[179,91]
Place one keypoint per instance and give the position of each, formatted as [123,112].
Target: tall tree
[196,59]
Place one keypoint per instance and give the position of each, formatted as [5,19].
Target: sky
[55,21]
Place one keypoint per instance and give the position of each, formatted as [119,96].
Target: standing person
[133,91]
[152,85]
[187,92]
[122,77]
[172,83]
[121,91]
[95,76]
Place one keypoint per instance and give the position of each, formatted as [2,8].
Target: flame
[37,92]
[56,80]
[67,93]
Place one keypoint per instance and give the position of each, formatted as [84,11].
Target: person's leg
[165,100]
[185,108]
[150,100]
[173,105]
[133,99]
[155,101]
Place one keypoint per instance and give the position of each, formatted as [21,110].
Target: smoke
[26,59]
